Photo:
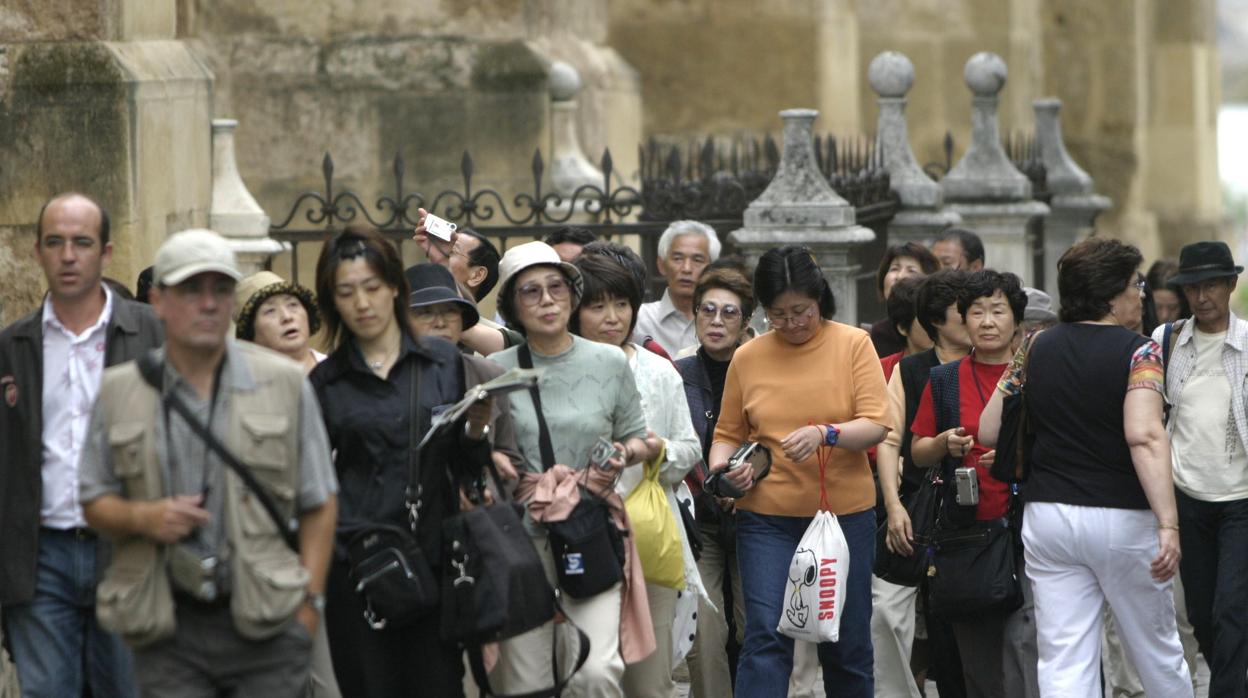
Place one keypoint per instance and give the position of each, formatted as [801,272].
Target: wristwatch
[833,434]
[316,601]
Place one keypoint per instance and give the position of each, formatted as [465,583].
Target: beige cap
[532,254]
[192,252]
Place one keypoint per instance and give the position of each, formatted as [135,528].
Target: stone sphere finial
[891,74]
[565,81]
[985,74]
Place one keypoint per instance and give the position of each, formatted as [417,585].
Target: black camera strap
[413,494]
[152,369]
[525,358]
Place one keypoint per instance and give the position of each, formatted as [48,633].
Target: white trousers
[1079,558]
[1120,674]
[524,661]
[892,634]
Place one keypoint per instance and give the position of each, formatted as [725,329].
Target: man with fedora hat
[1207,361]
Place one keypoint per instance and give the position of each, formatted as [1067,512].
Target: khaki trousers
[652,676]
[524,661]
[892,634]
[709,673]
[8,676]
[806,681]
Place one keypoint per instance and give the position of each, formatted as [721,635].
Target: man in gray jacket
[50,367]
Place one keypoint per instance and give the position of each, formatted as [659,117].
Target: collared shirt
[1214,471]
[194,468]
[667,325]
[72,366]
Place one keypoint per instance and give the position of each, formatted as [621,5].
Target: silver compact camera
[966,481]
[756,454]
[192,573]
[439,227]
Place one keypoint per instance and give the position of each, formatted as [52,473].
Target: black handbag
[974,574]
[922,506]
[494,584]
[387,564]
[587,546]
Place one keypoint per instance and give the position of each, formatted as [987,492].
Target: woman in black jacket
[723,302]
[365,390]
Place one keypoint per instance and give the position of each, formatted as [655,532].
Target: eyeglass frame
[791,319]
[720,311]
[542,291]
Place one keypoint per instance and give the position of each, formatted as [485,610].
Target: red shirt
[976,381]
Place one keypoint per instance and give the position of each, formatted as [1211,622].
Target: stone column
[799,207]
[984,187]
[234,212]
[920,218]
[1074,206]
[569,168]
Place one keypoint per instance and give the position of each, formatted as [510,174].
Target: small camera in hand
[756,454]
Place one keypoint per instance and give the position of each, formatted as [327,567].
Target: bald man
[50,367]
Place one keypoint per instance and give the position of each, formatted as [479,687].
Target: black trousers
[409,662]
[1214,567]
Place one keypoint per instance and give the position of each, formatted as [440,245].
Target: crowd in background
[139,560]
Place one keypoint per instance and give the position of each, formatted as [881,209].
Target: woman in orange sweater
[808,383]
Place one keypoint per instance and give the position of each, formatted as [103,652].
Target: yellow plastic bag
[655,530]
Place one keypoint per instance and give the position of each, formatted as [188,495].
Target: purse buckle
[374,621]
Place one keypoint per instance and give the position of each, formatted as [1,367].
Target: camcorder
[756,454]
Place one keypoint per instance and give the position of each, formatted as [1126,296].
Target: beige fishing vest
[134,599]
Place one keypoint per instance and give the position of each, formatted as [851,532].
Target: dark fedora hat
[433,284]
[1204,260]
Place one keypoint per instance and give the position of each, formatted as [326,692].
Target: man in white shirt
[1207,364]
[50,367]
[685,249]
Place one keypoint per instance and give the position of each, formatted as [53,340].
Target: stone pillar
[569,168]
[920,218]
[799,207]
[984,187]
[1074,206]
[234,212]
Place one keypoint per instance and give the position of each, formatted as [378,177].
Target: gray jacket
[132,329]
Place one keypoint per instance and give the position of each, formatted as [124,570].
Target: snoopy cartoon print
[803,571]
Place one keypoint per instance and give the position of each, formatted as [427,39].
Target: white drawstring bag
[814,598]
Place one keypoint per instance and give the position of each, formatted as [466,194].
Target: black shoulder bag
[587,546]
[387,564]
[921,506]
[152,370]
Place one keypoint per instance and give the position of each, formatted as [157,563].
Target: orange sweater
[774,387]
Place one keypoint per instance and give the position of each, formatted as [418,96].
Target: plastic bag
[814,597]
[655,530]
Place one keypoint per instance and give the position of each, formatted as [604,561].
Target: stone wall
[98,97]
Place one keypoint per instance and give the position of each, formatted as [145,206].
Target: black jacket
[367,420]
[132,330]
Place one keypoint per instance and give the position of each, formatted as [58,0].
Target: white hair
[679,228]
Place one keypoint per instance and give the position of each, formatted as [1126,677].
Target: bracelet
[1171,527]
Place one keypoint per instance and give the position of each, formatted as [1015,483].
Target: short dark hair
[105,225]
[936,293]
[985,282]
[792,268]
[571,233]
[485,254]
[927,261]
[605,278]
[972,246]
[143,285]
[730,278]
[1091,273]
[381,257]
[900,304]
[622,254]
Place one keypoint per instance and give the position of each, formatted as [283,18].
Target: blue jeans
[765,546]
[1214,566]
[57,643]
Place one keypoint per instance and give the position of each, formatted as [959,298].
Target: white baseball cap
[192,252]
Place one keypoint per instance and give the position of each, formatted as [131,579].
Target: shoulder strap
[525,358]
[152,370]
[413,494]
[1169,339]
[476,661]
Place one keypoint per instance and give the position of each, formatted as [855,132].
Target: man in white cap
[205,583]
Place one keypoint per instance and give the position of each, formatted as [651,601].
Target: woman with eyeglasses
[587,393]
[365,391]
[807,384]
[608,314]
[722,301]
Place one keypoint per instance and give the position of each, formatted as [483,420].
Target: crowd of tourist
[237,485]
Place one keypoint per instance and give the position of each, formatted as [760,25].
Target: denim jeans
[1214,566]
[57,643]
[765,546]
